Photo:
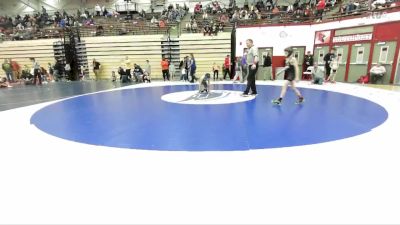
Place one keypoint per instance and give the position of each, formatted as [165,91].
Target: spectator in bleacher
[161,24]
[214,29]
[96,68]
[205,15]
[44,10]
[194,27]
[227,67]
[375,4]
[207,30]
[153,20]
[198,8]
[36,71]
[320,9]
[99,31]
[15,69]
[8,70]
[97,8]
[269,4]
[275,10]
[165,68]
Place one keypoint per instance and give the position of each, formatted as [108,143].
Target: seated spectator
[161,24]
[99,31]
[377,72]
[214,29]
[197,8]
[123,77]
[206,30]
[146,77]
[194,27]
[318,74]
[4,83]
[154,20]
[205,15]
[377,3]
[137,72]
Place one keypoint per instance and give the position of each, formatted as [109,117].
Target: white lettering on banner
[356,37]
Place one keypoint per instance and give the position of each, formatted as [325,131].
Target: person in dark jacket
[267,65]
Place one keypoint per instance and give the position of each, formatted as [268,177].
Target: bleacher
[111,51]
[21,51]
[206,49]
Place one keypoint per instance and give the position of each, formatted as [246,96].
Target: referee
[252,62]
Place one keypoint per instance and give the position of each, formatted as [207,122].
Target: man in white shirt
[252,62]
[377,72]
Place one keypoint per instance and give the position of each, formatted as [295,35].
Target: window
[296,55]
[360,55]
[340,55]
[321,57]
[383,54]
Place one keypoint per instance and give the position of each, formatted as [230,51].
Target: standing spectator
[97,8]
[171,71]
[15,69]
[67,69]
[252,61]
[215,69]
[244,65]
[165,68]
[238,70]
[36,71]
[96,68]
[127,64]
[267,65]
[8,70]
[328,59]
[147,68]
[227,66]
[50,70]
[192,68]
[308,60]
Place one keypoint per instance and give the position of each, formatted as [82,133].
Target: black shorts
[289,77]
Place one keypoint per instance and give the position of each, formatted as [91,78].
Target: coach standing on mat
[252,62]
